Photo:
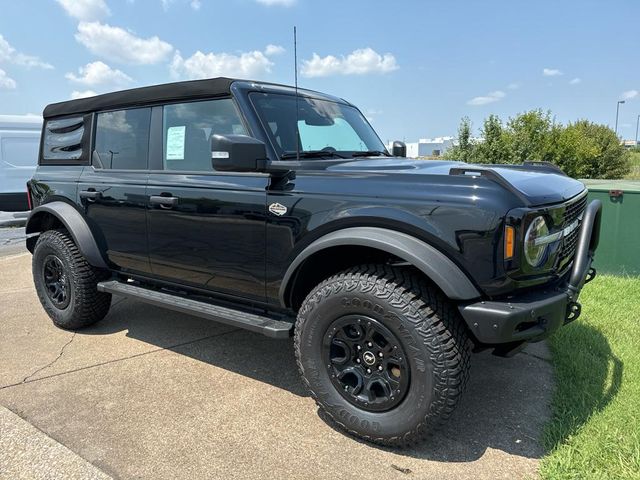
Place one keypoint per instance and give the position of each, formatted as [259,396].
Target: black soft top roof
[142,96]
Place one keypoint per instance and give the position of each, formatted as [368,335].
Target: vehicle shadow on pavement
[505,406]
[589,378]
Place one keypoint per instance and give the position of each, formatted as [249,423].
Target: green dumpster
[619,249]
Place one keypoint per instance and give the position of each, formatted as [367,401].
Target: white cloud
[6,50]
[98,73]
[6,82]
[279,3]
[490,97]
[194,4]
[30,61]
[358,62]
[85,10]
[82,94]
[10,54]
[514,86]
[575,81]
[629,94]
[119,45]
[205,65]
[551,72]
[273,50]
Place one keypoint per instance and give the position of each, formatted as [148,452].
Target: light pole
[637,125]
[617,112]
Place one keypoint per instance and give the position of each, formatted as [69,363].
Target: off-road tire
[86,305]
[425,322]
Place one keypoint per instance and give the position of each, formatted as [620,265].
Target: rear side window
[187,131]
[63,140]
[122,139]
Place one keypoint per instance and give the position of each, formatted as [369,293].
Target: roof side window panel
[188,128]
[122,139]
[63,139]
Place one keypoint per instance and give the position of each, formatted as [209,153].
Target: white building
[428,147]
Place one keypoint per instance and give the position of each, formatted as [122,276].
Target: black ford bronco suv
[280,211]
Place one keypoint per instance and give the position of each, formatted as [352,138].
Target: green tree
[531,136]
[587,150]
[463,151]
[496,144]
[582,149]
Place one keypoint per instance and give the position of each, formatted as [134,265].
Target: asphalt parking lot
[148,393]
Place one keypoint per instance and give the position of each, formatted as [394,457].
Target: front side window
[323,125]
[122,139]
[187,131]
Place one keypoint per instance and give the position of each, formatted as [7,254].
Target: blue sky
[413,67]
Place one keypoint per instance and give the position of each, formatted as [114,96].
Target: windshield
[325,127]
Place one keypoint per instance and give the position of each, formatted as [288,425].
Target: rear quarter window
[65,140]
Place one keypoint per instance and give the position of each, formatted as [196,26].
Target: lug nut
[358,347]
[380,367]
[369,344]
[368,370]
[357,360]
[380,355]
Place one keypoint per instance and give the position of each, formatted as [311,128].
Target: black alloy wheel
[56,281]
[366,362]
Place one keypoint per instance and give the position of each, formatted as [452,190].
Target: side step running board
[248,321]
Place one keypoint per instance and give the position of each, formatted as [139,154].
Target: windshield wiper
[371,153]
[311,154]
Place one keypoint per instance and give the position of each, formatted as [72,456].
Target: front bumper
[532,316]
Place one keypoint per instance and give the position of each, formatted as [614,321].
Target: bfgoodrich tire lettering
[426,324]
[81,304]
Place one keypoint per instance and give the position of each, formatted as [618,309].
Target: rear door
[112,188]
[206,228]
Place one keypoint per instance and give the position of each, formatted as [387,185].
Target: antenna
[295,66]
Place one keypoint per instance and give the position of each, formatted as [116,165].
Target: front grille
[573,210]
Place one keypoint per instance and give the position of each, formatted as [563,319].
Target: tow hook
[573,312]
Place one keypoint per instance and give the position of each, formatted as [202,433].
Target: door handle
[91,195]
[164,202]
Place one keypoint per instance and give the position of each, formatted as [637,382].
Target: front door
[206,229]
[112,188]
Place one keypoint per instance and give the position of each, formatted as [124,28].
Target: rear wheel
[65,282]
[384,354]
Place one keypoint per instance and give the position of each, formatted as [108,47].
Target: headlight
[535,244]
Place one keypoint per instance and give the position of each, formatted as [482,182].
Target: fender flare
[75,224]
[426,258]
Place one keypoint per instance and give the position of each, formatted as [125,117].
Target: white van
[19,144]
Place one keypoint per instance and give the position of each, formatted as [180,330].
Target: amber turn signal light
[509,242]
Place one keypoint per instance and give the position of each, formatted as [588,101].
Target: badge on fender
[277,209]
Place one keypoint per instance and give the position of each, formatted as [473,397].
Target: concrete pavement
[149,393]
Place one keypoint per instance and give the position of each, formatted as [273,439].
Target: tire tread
[89,305]
[434,318]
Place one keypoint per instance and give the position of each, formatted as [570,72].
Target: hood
[538,186]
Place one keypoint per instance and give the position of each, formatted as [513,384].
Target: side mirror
[237,153]
[399,149]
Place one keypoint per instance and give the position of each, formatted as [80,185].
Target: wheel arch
[57,213]
[434,264]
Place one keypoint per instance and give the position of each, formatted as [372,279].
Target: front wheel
[383,353]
